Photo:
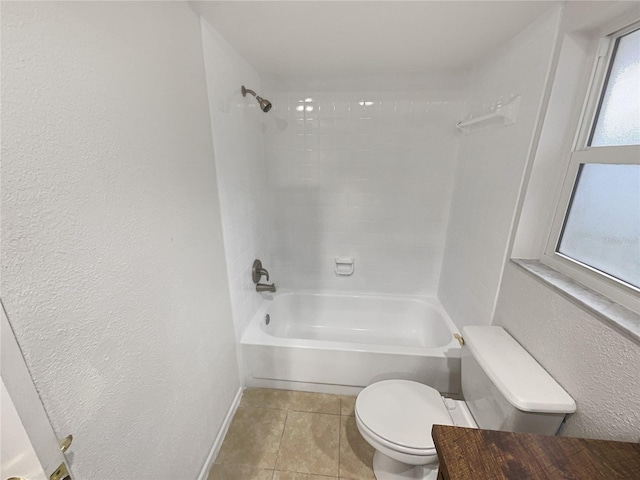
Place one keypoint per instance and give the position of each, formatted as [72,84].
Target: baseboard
[215,448]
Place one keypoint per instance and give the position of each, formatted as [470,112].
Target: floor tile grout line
[291,409]
[340,442]
[284,427]
[309,411]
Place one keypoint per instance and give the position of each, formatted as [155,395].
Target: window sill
[618,317]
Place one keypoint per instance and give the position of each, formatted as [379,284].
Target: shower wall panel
[239,161]
[362,168]
[490,170]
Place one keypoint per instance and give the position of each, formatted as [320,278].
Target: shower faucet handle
[257,271]
[263,271]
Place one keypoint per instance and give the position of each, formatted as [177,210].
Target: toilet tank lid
[518,376]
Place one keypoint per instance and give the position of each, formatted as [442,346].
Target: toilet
[503,387]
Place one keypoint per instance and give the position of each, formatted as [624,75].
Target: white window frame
[611,287]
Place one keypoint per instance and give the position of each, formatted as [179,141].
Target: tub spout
[265,287]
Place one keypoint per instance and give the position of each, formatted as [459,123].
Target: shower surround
[360,167]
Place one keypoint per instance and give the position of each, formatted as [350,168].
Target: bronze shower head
[265,105]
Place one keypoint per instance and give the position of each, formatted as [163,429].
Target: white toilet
[504,388]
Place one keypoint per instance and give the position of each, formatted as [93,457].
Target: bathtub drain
[267,319]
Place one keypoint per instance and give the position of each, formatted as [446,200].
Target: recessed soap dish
[344,266]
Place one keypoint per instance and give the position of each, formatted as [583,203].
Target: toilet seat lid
[402,412]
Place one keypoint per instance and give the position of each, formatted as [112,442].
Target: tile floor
[286,435]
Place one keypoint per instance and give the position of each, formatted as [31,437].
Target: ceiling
[348,37]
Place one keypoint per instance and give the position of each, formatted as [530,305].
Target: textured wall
[594,363]
[237,142]
[361,167]
[490,168]
[114,277]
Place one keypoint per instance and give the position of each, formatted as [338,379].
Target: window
[618,117]
[595,235]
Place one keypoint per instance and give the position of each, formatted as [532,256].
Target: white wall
[114,276]
[580,32]
[597,365]
[556,139]
[237,141]
[369,180]
[490,169]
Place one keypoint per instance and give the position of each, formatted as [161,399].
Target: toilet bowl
[395,417]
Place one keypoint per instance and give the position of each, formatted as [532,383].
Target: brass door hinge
[65,443]
[61,473]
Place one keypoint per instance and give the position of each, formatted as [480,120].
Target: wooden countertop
[472,454]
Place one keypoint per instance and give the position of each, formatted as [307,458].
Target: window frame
[581,153]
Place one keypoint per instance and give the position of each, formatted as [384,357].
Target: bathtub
[341,343]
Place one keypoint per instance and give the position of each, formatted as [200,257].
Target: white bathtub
[323,342]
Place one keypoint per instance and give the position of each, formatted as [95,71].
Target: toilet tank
[505,388]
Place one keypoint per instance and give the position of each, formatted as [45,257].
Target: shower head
[265,105]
